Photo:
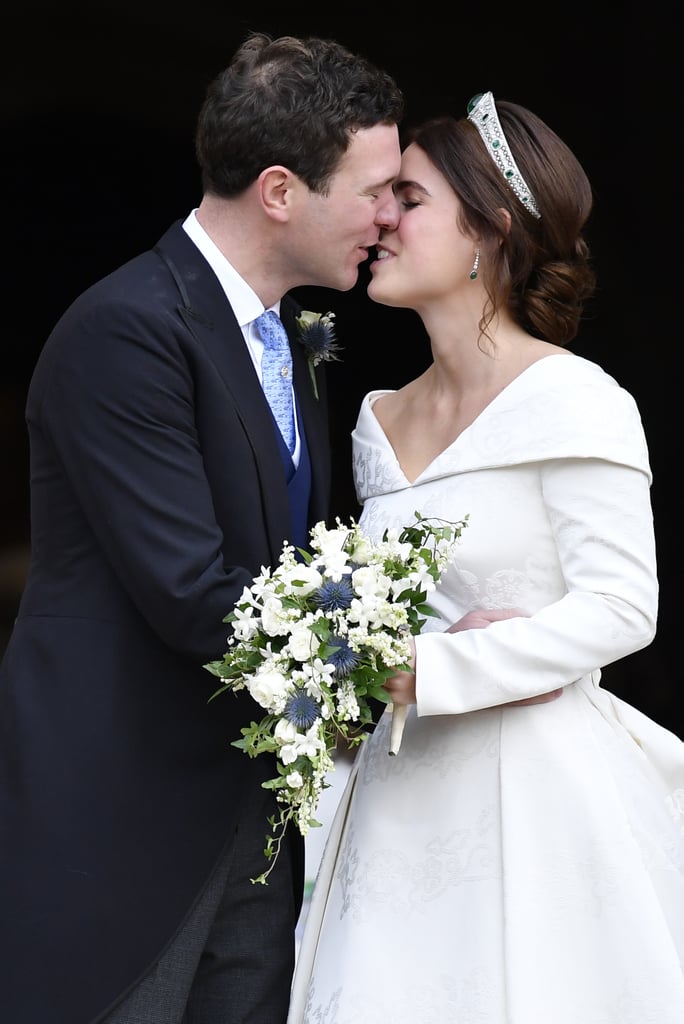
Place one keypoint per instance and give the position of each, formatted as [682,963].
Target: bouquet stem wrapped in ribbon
[315,639]
[399,714]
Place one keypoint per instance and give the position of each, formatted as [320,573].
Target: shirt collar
[245,303]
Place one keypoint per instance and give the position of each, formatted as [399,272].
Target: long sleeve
[600,517]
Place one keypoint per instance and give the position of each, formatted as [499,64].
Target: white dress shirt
[245,303]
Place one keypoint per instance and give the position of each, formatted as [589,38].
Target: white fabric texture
[276,373]
[520,865]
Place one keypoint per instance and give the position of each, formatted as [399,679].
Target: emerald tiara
[482,112]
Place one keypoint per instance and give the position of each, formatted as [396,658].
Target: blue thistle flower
[301,709]
[333,594]
[343,657]
[317,335]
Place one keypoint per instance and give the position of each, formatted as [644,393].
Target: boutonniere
[317,335]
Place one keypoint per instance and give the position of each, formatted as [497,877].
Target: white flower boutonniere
[317,335]
[314,641]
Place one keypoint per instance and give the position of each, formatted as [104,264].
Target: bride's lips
[382,254]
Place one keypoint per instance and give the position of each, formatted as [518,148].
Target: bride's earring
[476,264]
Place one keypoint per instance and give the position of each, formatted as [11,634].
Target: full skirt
[522,865]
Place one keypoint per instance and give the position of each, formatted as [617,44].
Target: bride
[521,860]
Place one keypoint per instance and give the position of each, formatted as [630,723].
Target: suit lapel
[209,317]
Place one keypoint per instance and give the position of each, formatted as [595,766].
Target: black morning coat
[155,474]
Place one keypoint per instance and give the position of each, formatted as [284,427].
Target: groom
[160,485]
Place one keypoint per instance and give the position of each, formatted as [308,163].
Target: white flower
[318,677]
[294,780]
[392,650]
[370,582]
[285,732]
[269,688]
[333,558]
[246,624]
[377,613]
[302,643]
[300,580]
[361,550]
[253,594]
[420,579]
[305,744]
[275,617]
[309,743]
[347,704]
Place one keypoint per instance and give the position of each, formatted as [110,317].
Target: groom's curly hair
[289,101]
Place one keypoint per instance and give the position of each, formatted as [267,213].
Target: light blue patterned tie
[276,372]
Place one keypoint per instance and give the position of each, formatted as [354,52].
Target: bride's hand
[480,618]
[402,689]
[402,686]
[541,698]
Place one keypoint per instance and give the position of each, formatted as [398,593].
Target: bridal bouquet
[313,642]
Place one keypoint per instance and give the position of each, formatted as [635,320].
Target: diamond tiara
[482,113]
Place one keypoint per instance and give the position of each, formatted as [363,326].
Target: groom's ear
[277,188]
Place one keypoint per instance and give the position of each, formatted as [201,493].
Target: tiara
[482,113]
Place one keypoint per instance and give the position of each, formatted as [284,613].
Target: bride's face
[427,258]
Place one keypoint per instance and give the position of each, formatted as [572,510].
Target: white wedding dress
[520,865]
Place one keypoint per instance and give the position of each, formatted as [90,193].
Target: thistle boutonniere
[317,335]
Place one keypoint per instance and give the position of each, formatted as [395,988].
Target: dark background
[99,103]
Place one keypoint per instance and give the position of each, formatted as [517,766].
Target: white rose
[274,617]
[268,688]
[301,580]
[302,643]
[285,731]
[362,551]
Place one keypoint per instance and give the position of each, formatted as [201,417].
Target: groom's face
[338,229]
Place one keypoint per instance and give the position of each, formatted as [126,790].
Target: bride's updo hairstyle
[538,267]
